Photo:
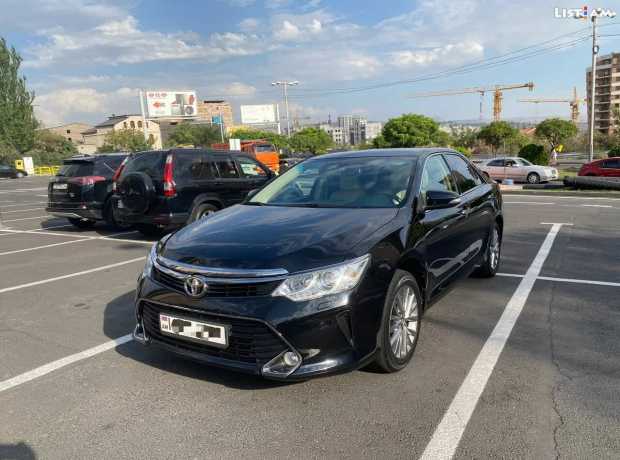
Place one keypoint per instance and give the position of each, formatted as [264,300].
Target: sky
[87,59]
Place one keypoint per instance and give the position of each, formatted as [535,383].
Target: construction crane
[497,95]
[574,103]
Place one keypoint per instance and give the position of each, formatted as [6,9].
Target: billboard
[259,114]
[171,104]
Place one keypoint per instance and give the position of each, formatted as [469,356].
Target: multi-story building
[336,132]
[607,89]
[373,130]
[73,133]
[96,135]
[354,128]
[215,110]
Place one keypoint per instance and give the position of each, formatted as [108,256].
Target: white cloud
[84,104]
[249,24]
[288,31]
[454,54]
[239,3]
[123,42]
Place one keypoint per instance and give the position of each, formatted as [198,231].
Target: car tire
[201,211]
[82,223]
[400,324]
[533,178]
[110,218]
[19,175]
[148,230]
[492,255]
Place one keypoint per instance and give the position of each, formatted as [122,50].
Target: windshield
[524,162]
[341,183]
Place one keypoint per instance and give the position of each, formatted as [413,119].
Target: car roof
[102,156]
[418,152]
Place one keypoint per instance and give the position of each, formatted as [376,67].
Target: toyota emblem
[195,286]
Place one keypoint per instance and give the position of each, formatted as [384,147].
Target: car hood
[268,237]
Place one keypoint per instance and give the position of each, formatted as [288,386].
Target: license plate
[120,204]
[59,186]
[197,331]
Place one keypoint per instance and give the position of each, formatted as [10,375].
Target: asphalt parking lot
[524,365]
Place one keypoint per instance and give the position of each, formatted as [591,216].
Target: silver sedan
[518,169]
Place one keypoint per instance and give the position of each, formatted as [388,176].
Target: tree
[496,133]
[534,153]
[50,148]
[463,137]
[196,135]
[17,121]
[279,141]
[555,131]
[412,130]
[125,140]
[313,140]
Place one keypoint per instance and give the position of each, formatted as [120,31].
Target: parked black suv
[82,189]
[165,189]
[325,269]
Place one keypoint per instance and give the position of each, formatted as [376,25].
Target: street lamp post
[285,84]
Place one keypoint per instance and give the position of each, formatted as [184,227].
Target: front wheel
[110,218]
[82,223]
[533,178]
[400,324]
[489,267]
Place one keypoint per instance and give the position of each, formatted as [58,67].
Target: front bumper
[262,328]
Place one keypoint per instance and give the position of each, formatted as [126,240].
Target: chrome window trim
[238,275]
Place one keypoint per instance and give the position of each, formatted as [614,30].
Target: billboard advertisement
[258,114]
[171,104]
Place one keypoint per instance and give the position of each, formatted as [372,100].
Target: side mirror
[251,193]
[437,199]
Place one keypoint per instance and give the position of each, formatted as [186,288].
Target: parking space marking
[22,204]
[22,190]
[24,218]
[597,205]
[527,202]
[55,365]
[71,275]
[45,246]
[578,281]
[565,197]
[21,210]
[448,433]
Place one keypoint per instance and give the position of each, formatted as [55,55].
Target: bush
[534,153]
[614,151]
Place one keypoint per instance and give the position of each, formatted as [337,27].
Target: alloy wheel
[403,322]
[494,249]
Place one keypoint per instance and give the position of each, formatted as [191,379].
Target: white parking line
[25,218]
[21,190]
[54,365]
[21,204]
[111,237]
[21,210]
[570,280]
[564,197]
[526,202]
[45,246]
[597,205]
[70,275]
[448,433]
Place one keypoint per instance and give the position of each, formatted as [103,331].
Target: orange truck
[261,149]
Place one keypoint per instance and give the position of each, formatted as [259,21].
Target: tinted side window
[436,176]
[250,168]
[610,164]
[227,168]
[193,166]
[496,163]
[76,169]
[465,175]
[149,163]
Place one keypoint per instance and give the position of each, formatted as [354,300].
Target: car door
[495,168]
[512,170]
[442,228]
[5,171]
[253,174]
[231,187]
[610,167]
[194,175]
[476,200]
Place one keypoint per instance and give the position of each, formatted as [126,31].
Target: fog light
[282,365]
[291,359]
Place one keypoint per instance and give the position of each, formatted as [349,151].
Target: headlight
[155,249]
[326,281]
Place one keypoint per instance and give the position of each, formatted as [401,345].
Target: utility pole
[144,125]
[593,88]
[285,84]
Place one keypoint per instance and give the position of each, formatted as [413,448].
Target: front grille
[222,289]
[249,341]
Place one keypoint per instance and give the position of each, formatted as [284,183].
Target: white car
[518,169]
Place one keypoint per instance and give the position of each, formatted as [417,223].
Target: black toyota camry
[327,268]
